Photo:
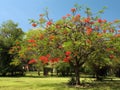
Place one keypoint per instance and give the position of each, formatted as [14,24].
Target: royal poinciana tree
[76,40]
[73,39]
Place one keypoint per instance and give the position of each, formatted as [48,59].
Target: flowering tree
[76,40]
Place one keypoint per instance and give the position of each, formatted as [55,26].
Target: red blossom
[104,21]
[68,15]
[54,60]
[31,41]
[44,59]
[89,31]
[67,53]
[64,17]
[68,57]
[49,23]
[48,55]
[87,20]
[76,18]
[73,10]
[91,22]
[33,61]
[117,35]
[118,30]
[34,24]
[66,60]
[111,56]
[100,20]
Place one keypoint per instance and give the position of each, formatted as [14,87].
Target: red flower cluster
[73,10]
[67,58]
[76,18]
[34,24]
[119,31]
[54,60]
[64,17]
[44,59]
[68,15]
[67,53]
[101,21]
[31,41]
[87,20]
[117,35]
[48,23]
[33,61]
[111,56]
[88,31]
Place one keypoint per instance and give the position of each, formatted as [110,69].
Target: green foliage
[9,34]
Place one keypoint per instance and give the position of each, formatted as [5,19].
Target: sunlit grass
[27,83]
[54,83]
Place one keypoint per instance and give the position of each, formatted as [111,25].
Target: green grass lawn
[53,83]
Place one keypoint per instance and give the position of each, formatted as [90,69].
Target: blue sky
[21,10]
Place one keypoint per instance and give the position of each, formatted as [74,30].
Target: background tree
[9,34]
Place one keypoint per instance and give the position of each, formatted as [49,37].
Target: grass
[53,83]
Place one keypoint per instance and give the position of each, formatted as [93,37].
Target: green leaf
[67,45]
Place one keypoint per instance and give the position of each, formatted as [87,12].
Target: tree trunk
[45,71]
[38,72]
[51,71]
[77,75]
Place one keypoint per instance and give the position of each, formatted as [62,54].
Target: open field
[54,83]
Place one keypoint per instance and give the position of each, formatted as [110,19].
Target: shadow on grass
[106,85]
[96,85]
